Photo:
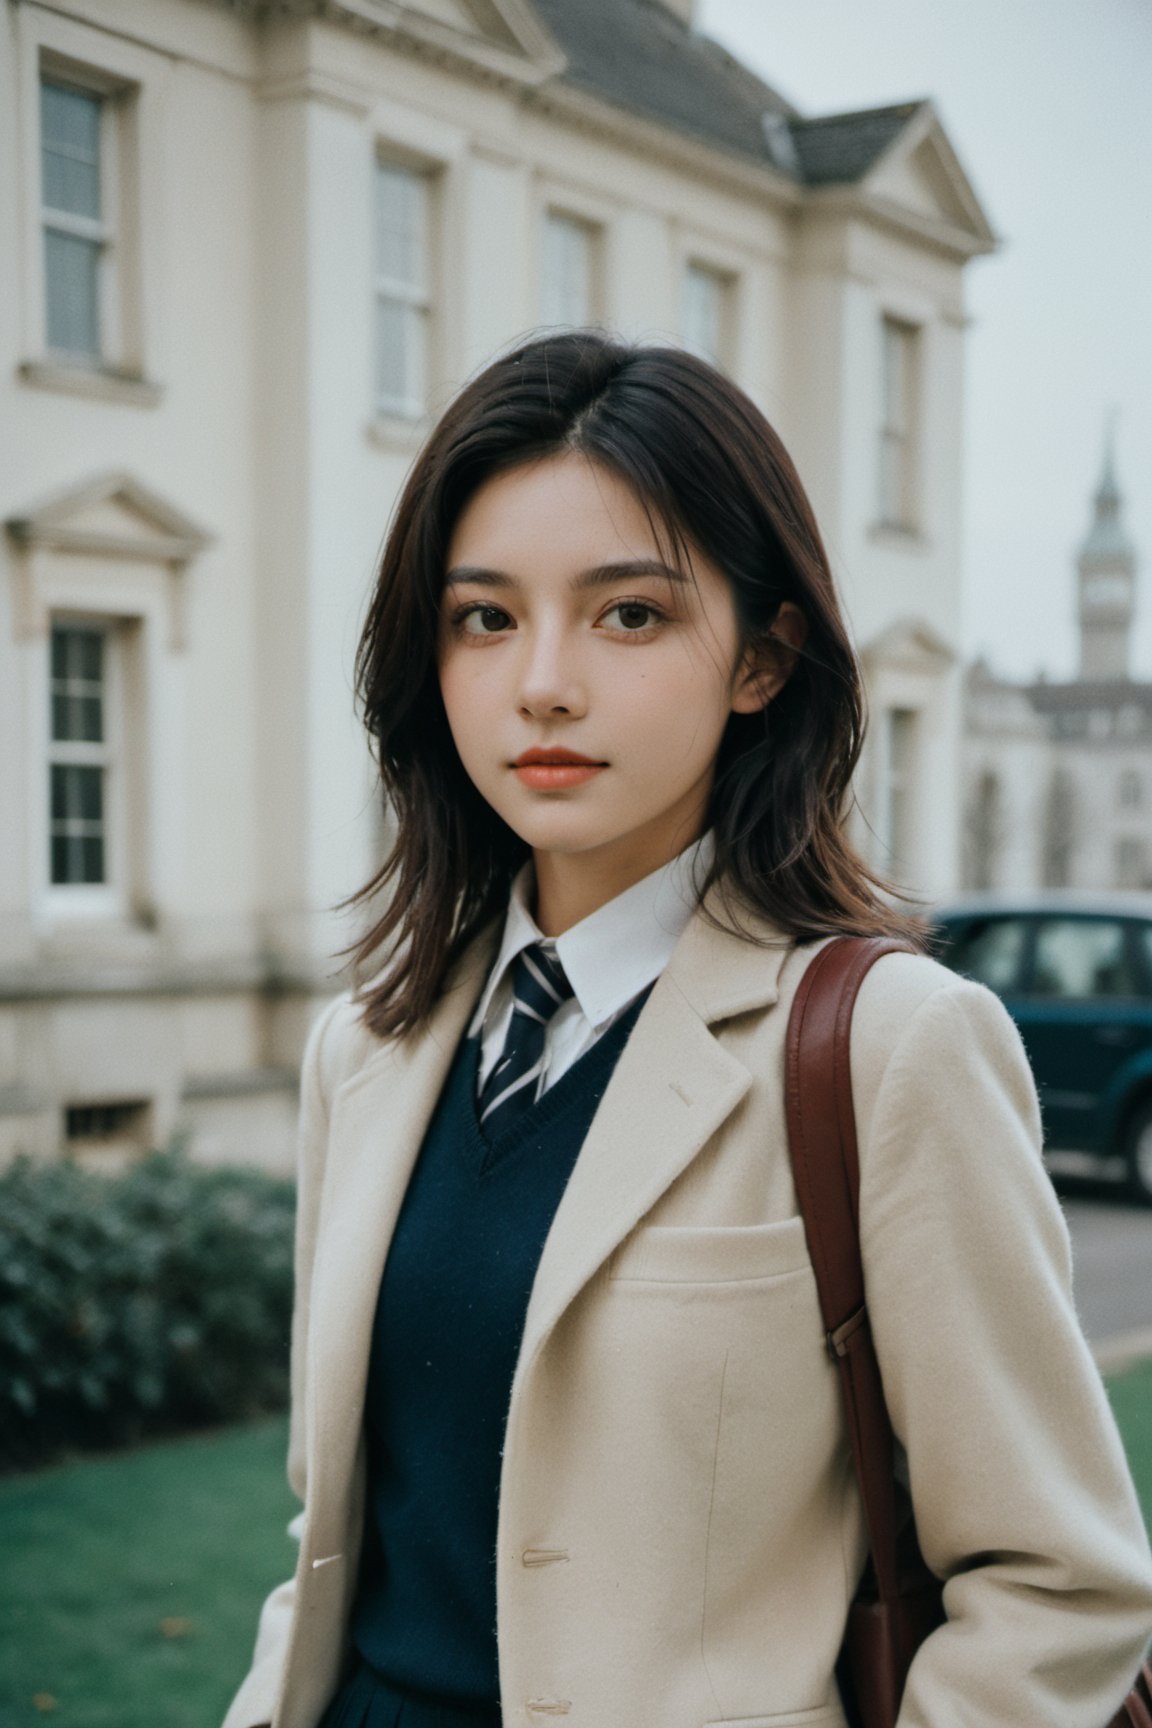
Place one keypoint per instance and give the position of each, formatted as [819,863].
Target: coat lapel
[673,1086]
[379,1118]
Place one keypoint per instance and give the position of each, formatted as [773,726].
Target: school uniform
[677,1531]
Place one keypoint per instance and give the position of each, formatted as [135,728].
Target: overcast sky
[1047,103]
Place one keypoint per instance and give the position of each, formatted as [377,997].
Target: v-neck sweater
[446,1337]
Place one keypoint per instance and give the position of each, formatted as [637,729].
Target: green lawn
[1131,1395]
[129,1585]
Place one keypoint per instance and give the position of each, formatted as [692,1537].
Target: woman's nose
[550,680]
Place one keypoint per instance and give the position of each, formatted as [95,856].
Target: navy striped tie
[539,988]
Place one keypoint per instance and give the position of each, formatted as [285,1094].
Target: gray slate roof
[840,147]
[1079,694]
[638,56]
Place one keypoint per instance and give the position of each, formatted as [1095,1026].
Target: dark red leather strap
[826,1170]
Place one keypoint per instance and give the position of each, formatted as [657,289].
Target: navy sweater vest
[446,1337]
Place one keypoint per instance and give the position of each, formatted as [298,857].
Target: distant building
[1058,776]
[252,250]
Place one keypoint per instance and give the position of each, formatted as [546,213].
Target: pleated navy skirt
[367,1701]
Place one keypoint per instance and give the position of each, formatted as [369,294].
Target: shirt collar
[619,949]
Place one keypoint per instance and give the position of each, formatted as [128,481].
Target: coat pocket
[827,1716]
[685,1254]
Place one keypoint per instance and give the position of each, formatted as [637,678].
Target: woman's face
[587,682]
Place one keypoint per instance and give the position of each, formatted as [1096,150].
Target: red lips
[555,769]
[556,758]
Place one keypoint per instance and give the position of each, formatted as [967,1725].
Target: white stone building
[1058,776]
[250,250]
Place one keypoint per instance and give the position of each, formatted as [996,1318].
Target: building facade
[1058,776]
[250,252]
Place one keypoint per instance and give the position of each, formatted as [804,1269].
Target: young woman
[567,1439]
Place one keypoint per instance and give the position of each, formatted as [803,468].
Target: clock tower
[1106,583]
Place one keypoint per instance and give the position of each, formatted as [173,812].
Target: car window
[990,950]
[1082,957]
[1142,932]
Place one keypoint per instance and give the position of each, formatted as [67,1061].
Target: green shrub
[149,1302]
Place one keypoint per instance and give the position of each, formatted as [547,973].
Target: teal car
[1075,973]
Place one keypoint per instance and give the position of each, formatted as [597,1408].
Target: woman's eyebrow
[599,576]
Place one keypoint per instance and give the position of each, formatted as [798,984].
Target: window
[899,788]
[78,237]
[403,297]
[899,423]
[108,1136]
[1131,862]
[1130,789]
[705,305]
[1061,829]
[1082,957]
[568,276]
[991,950]
[79,756]
[984,831]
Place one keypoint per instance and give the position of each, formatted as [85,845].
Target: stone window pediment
[913,646]
[96,544]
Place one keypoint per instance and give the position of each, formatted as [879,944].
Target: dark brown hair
[712,473]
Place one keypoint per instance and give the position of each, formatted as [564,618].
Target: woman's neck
[571,886]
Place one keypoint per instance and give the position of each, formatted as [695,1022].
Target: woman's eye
[633,615]
[483,620]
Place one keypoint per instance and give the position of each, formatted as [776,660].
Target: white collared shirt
[609,958]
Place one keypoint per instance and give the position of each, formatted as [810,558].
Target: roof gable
[919,173]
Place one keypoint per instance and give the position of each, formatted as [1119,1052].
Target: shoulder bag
[900,1601]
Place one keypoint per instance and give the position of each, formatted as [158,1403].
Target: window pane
[1082,957]
[76,801]
[991,951]
[77,794]
[77,687]
[1131,862]
[70,149]
[400,359]
[402,225]
[702,311]
[72,292]
[567,271]
[897,422]
[77,860]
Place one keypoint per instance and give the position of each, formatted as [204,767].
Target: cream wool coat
[680,1531]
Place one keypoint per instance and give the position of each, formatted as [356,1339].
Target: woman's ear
[767,664]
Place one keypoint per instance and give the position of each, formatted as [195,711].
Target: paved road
[1112,1264]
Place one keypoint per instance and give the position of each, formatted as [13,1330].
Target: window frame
[134,81]
[110,898]
[105,230]
[900,781]
[899,437]
[407,410]
[557,213]
[726,282]
[1042,921]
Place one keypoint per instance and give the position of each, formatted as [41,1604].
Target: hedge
[150,1302]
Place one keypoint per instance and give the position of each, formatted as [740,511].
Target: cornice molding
[531,55]
[860,204]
